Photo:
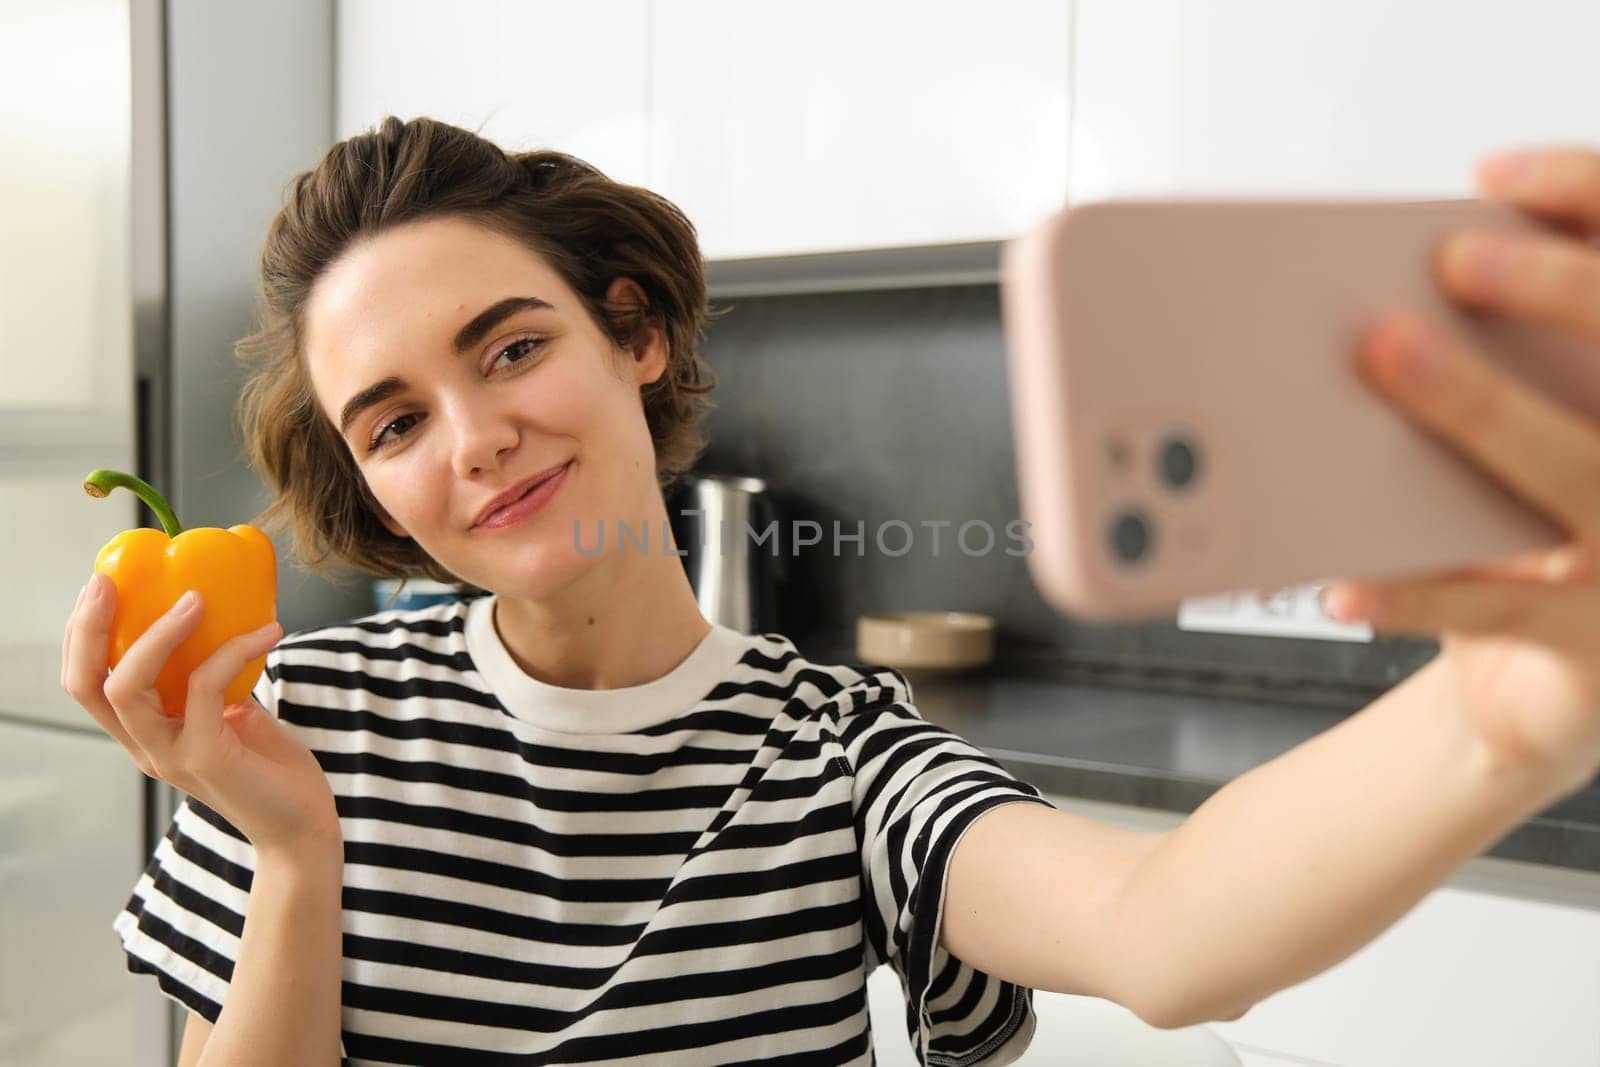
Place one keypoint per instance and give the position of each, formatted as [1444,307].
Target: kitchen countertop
[1170,752]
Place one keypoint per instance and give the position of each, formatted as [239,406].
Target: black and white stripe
[704,869]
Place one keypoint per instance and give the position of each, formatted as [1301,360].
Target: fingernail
[1334,603]
[1504,168]
[1482,260]
[1412,356]
[1348,607]
[186,602]
[91,590]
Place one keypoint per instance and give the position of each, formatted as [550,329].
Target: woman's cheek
[406,481]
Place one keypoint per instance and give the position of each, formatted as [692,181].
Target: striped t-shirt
[701,869]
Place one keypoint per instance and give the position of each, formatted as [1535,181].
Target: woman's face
[487,393]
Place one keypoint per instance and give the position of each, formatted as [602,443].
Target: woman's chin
[538,572]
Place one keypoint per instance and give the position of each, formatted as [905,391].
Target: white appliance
[81,285]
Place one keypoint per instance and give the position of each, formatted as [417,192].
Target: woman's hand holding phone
[237,760]
[1521,634]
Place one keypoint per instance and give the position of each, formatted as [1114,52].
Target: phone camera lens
[1179,461]
[1130,536]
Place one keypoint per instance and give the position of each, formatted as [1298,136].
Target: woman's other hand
[1522,634]
[237,760]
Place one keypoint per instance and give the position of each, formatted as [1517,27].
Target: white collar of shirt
[598,711]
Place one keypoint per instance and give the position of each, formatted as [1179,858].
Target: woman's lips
[528,505]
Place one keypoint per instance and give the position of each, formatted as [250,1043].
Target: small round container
[926,640]
[418,593]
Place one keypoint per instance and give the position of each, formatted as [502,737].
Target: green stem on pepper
[100,482]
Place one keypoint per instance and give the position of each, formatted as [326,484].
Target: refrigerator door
[71,849]
[67,394]
[81,214]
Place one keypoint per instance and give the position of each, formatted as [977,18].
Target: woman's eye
[378,441]
[523,347]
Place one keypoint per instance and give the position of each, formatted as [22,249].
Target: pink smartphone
[1188,416]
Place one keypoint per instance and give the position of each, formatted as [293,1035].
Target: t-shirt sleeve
[916,789]
[186,915]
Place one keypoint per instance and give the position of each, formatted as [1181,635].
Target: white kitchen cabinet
[1322,97]
[71,849]
[77,191]
[1466,979]
[525,75]
[788,132]
[784,129]
[66,342]
[67,308]
[1499,966]
[1248,1058]
[779,129]
[1078,1031]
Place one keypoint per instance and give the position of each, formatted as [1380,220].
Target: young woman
[568,820]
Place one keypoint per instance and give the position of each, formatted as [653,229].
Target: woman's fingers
[131,686]
[1545,278]
[206,741]
[126,703]
[1560,183]
[1434,606]
[83,663]
[1539,449]
[1572,562]
[1542,278]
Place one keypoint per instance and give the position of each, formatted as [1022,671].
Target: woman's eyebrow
[467,338]
[490,317]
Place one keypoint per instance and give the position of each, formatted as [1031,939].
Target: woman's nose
[477,436]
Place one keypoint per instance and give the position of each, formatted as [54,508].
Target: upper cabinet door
[66,286]
[838,125]
[67,317]
[1322,97]
[525,75]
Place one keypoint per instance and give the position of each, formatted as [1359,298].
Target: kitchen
[851,172]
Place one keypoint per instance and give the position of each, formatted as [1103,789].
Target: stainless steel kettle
[730,531]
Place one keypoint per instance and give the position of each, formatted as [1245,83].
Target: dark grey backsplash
[870,407]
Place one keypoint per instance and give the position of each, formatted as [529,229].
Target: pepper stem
[100,482]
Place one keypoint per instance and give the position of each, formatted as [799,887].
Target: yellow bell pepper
[235,571]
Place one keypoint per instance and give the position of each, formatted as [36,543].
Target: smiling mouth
[558,472]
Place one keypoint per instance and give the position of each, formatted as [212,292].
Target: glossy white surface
[70,828]
[50,536]
[1497,966]
[1322,97]
[66,307]
[66,341]
[524,75]
[836,125]
[778,129]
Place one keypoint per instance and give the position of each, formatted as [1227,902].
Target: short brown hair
[589,228]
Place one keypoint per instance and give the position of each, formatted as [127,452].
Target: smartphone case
[1233,326]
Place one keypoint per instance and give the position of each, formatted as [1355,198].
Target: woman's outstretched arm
[1282,873]
[1299,862]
